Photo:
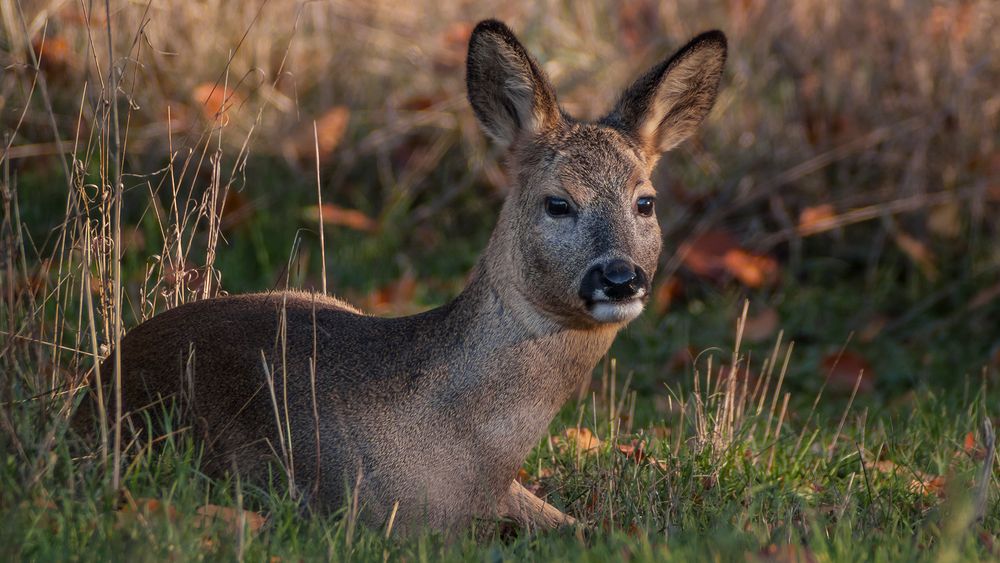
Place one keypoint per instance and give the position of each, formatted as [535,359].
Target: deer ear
[509,93]
[665,106]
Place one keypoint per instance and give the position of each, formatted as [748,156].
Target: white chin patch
[616,312]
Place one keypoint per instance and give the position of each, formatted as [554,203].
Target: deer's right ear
[665,105]
[509,93]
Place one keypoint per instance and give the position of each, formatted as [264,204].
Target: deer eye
[557,207]
[645,205]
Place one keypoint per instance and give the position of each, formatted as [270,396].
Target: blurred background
[847,182]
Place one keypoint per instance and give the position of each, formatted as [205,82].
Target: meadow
[814,379]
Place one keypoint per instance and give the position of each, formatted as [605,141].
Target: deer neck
[512,367]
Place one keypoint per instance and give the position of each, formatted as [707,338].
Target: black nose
[617,279]
[618,273]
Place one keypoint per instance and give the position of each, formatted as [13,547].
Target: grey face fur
[601,170]
[433,414]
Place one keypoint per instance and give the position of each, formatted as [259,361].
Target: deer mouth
[607,310]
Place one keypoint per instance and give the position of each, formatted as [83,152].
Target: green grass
[719,490]
[816,108]
[707,499]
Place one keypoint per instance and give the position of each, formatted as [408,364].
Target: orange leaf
[584,440]
[843,372]
[717,255]
[341,216]
[814,219]
[299,148]
[704,254]
[54,54]
[928,484]
[666,293]
[752,270]
[215,100]
[230,517]
[330,129]
[969,444]
[919,253]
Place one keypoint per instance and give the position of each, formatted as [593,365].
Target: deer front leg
[531,512]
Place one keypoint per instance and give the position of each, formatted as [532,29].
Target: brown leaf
[54,54]
[229,517]
[340,216]
[582,440]
[638,20]
[788,553]
[716,255]
[454,43]
[843,372]
[394,296]
[215,100]
[703,255]
[984,297]
[142,510]
[237,210]
[300,147]
[971,448]
[815,219]
[920,482]
[666,293]
[918,253]
[873,328]
[762,326]
[928,484]
[751,270]
[945,220]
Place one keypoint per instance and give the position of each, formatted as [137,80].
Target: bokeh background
[847,182]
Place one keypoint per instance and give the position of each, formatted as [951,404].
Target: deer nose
[613,281]
[618,274]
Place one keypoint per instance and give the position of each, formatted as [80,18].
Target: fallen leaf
[945,220]
[232,518]
[971,447]
[330,129]
[762,326]
[920,482]
[454,43]
[582,440]
[984,297]
[703,255]
[216,101]
[873,328]
[716,255]
[394,296]
[918,253]
[637,22]
[666,293]
[340,216]
[927,484]
[635,450]
[815,219]
[842,372]
[299,148]
[54,55]
[788,553]
[237,210]
[143,510]
[752,270]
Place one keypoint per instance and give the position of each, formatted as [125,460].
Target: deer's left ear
[665,106]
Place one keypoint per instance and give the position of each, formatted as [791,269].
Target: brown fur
[437,411]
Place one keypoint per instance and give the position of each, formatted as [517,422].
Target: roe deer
[430,416]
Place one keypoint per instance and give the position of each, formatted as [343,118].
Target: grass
[887,113]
